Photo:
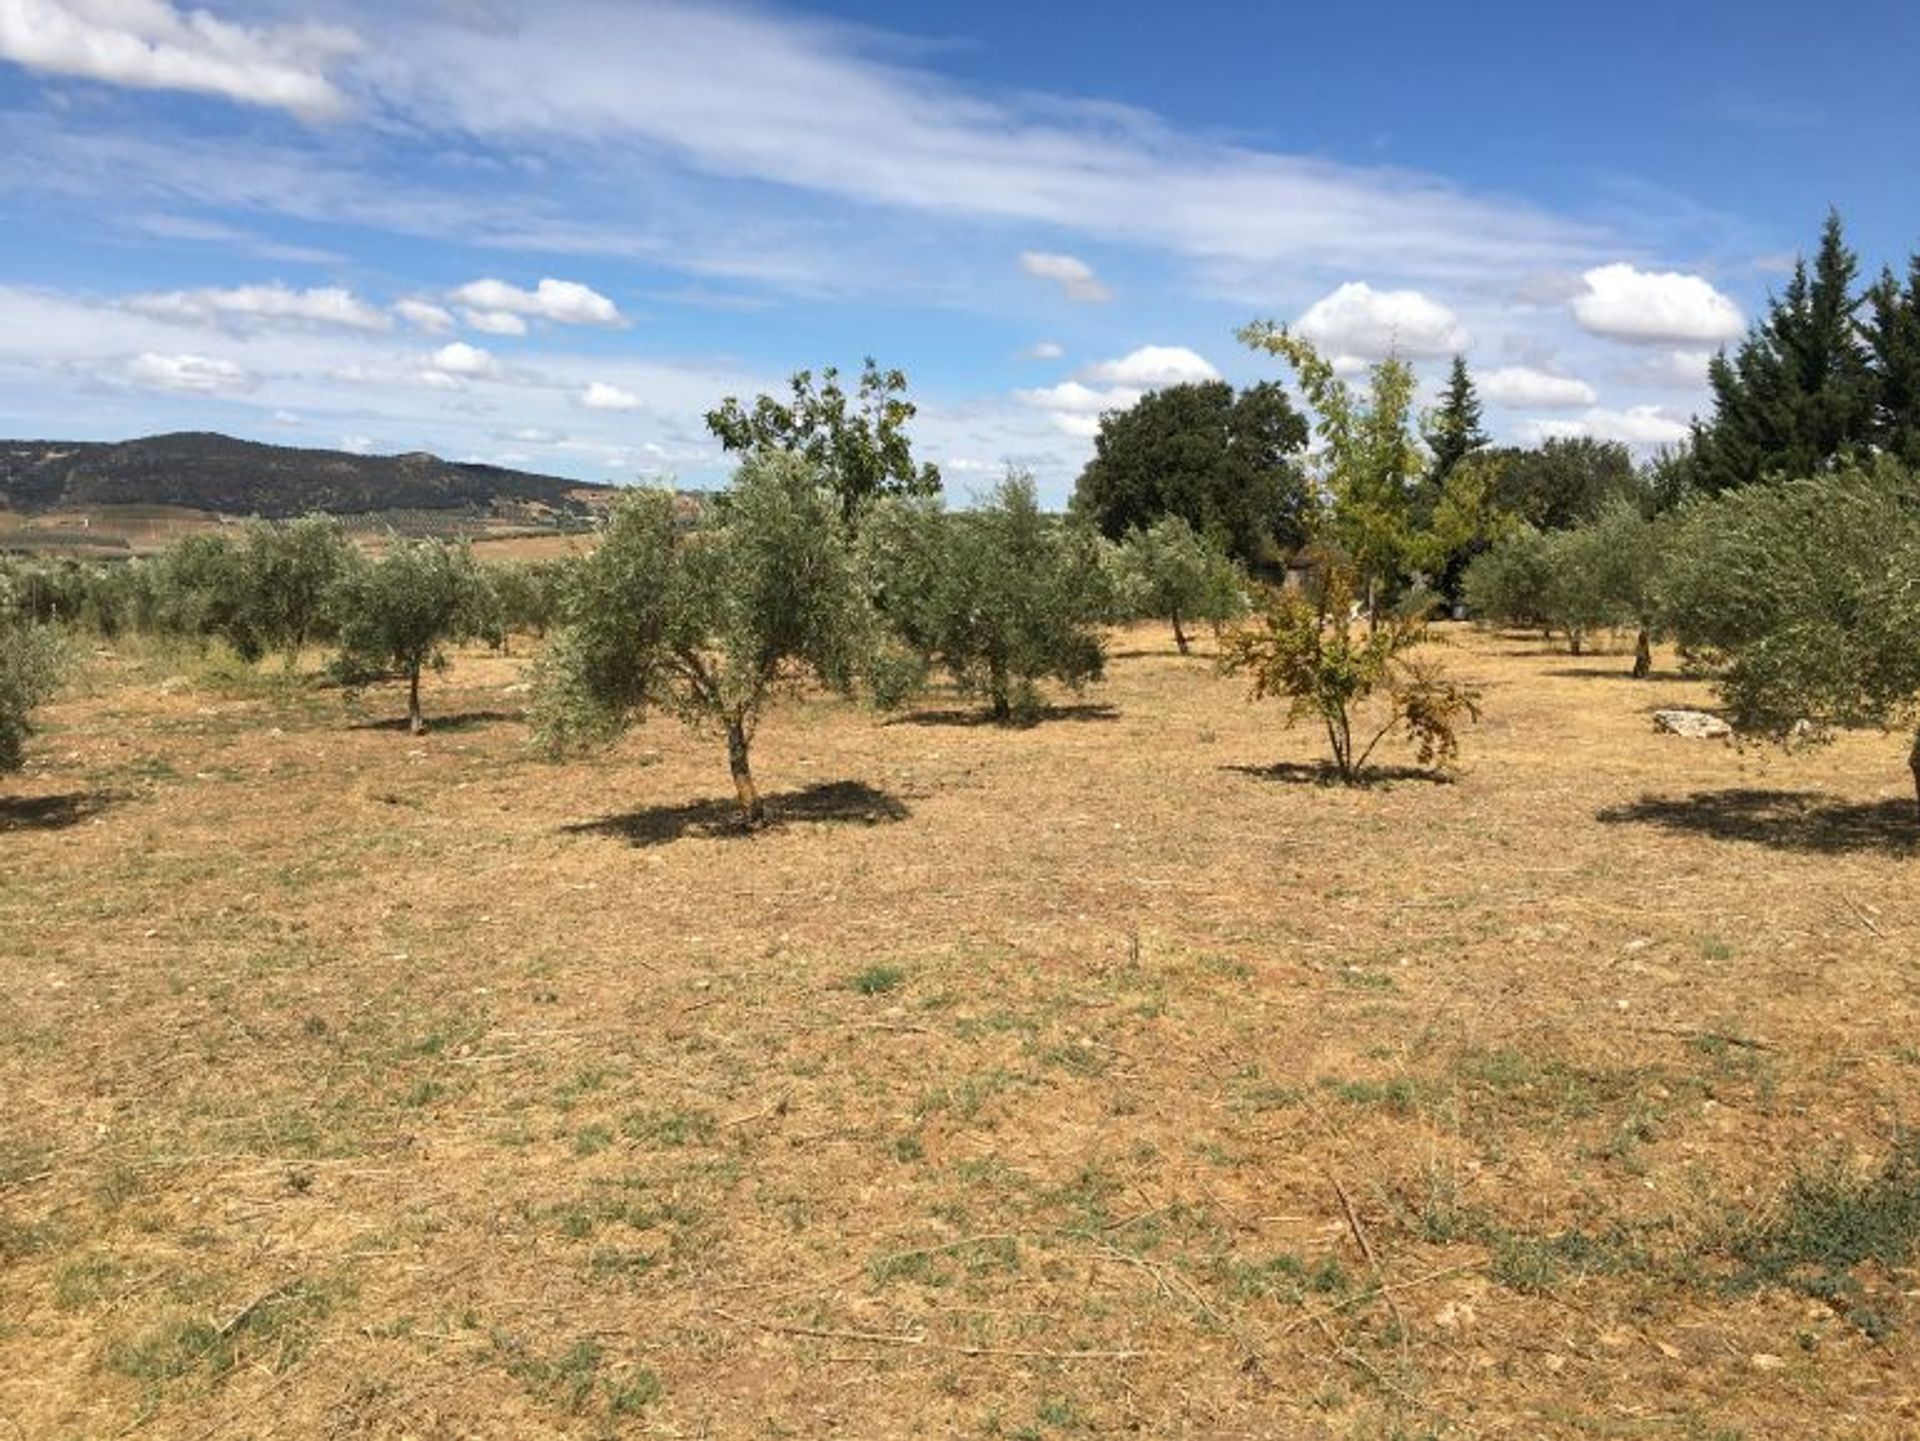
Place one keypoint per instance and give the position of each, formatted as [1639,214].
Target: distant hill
[217,474]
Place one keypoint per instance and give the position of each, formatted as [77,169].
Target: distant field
[1104,1077]
[116,531]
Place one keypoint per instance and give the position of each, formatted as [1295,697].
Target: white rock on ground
[1693,724]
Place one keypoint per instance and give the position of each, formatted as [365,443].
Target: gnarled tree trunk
[751,806]
[1913,764]
[1179,635]
[1643,655]
[416,723]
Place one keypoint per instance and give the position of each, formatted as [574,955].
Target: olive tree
[1806,596]
[32,661]
[1170,572]
[708,624]
[398,613]
[287,572]
[1361,685]
[1001,597]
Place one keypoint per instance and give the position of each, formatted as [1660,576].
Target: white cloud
[1650,307]
[1670,369]
[251,305]
[189,374]
[424,315]
[1075,408]
[357,444]
[1360,322]
[1152,366]
[1525,388]
[149,44]
[1641,425]
[495,322]
[465,361]
[601,396]
[1073,275]
[565,302]
[1045,350]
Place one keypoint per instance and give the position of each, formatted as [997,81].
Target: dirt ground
[1107,1076]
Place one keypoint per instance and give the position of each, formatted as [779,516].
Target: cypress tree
[1799,394]
[1893,337]
[1453,431]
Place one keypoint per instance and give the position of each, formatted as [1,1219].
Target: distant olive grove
[1313,528]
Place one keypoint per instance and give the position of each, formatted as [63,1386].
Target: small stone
[1764,1362]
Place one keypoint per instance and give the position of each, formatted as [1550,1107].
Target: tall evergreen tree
[1799,394]
[1893,338]
[1452,431]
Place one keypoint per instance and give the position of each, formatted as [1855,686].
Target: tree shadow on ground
[829,803]
[1623,672]
[1325,773]
[465,720]
[981,716]
[50,813]
[1170,653]
[1781,820]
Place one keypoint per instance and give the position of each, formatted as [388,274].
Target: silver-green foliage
[32,661]
[400,611]
[707,624]
[1170,572]
[1806,595]
[1001,597]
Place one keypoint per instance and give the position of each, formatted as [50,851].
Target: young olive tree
[398,613]
[1806,594]
[1001,597]
[32,662]
[707,624]
[1170,572]
[287,573]
[1361,685]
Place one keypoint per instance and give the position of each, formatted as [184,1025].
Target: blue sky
[552,235]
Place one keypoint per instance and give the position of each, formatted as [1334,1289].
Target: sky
[553,235]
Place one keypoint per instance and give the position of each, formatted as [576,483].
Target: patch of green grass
[82,1282]
[878,980]
[274,1330]
[592,1140]
[1402,1095]
[668,1128]
[1831,1222]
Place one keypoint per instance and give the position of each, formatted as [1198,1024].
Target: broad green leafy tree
[1001,597]
[400,611]
[1564,482]
[1806,597]
[708,624]
[1171,573]
[1371,461]
[859,444]
[1225,462]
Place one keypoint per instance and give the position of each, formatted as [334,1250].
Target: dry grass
[1103,1076]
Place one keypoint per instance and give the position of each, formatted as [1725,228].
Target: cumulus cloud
[1640,425]
[152,45]
[1075,408]
[495,322]
[565,302]
[1655,307]
[1525,388]
[1046,350]
[189,374]
[466,362]
[425,315]
[260,305]
[1358,321]
[1073,275]
[1152,366]
[601,396]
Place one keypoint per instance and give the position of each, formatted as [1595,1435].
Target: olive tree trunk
[1179,635]
[1643,655]
[416,723]
[752,808]
[1913,764]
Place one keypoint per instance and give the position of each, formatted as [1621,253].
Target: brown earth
[1110,1076]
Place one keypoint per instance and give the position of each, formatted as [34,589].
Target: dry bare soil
[1109,1076]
